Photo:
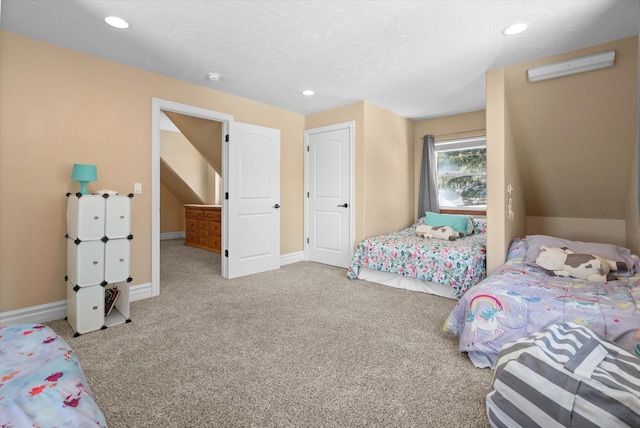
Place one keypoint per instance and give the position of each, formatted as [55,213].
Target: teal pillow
[459,223]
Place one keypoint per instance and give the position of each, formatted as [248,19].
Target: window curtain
[428,197]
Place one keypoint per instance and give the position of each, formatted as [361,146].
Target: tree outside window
[462,173]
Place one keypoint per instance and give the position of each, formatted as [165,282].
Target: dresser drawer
[203,226]
[214,228]
[215,243]
[193,213]
[203,240]
[212,215]
[192,225]
[192,238]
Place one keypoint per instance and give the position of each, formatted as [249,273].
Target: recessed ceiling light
[213,76]
[116,22]
[308,92]
[514,29]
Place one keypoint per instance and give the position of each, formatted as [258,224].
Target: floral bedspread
[519,299]
[460,263]
[42,383]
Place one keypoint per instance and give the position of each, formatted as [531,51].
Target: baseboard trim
[172,235]
[140,292]
[58,310]
[287,259]
[35,314]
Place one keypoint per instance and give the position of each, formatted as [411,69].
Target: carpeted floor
[301,346]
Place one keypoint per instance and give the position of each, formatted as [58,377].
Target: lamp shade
[84,174]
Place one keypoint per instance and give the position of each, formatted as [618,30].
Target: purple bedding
[519,299]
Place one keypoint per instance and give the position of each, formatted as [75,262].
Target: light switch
[137,188]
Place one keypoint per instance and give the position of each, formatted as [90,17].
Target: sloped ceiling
[177,186]
[205,135]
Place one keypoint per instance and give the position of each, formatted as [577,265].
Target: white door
[253,204]
[329,200]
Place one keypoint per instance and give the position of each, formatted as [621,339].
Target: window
[461,169]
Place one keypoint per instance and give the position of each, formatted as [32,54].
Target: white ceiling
[418,59]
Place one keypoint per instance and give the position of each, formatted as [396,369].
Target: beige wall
[59,107]
[497,122]
[514,205]
[579,229]
[577,136]
[388,171]
[171,212]
[568,148]
[632,217]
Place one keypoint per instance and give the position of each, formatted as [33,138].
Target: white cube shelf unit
[98,257]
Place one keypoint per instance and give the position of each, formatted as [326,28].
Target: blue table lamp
[84,174]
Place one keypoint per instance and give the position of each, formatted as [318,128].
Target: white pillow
[446,233]
[607,251]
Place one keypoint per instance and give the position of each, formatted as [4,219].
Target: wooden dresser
[203,223]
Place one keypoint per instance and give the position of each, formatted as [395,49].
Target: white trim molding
[35,314]
[172,235]
[290,258]
[58,310]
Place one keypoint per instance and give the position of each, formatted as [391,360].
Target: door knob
[345,205]
[276,206]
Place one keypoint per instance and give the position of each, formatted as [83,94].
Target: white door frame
[351,125]
[158,105]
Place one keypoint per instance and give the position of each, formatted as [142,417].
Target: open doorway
[190,180]
[251,187]
[184,112]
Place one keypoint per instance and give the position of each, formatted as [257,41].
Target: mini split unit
[573,66]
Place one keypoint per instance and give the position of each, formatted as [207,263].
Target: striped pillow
[564,375]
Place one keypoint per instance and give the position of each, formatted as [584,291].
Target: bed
[521,298]
[402,259]
[42,383]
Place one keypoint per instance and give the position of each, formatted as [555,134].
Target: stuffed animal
[564,262]
[438,232]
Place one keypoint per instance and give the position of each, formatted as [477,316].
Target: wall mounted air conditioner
[573,66]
